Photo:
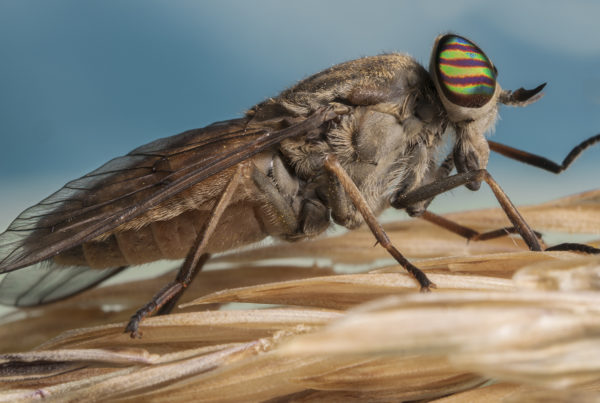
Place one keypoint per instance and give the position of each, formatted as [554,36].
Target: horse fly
[341,145]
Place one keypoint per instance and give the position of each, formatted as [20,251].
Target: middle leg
[469,233]
[333,166]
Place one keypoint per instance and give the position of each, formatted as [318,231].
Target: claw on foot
[428,287]
[133,328]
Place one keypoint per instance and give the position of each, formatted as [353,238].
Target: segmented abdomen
[241,224]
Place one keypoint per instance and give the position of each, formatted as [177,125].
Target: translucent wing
[46,281]
[116,193]
[60,221]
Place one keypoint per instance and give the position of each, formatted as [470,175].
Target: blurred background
[83,82]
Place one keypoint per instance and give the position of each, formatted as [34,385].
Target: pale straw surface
[504,324]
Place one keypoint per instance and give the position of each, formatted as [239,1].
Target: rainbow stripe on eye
[465,74]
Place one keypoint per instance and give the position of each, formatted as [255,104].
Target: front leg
[520,225]
[542,162]
[443,185]
[419,209]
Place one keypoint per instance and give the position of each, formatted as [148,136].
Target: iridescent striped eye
[465,74]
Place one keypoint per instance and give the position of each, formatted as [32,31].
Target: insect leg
[466,232]
[542,162]
[191,266]
[164,300]
[184,277]
[519,223]
[420,210]
[451,182]
[272,196]
[334,167]
[442,172]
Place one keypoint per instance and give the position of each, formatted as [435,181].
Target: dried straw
[504,324]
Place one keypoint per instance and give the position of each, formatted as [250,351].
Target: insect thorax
[391,140]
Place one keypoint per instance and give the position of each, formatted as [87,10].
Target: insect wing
[93,201]
[55,224]
[117,192]
[46,281]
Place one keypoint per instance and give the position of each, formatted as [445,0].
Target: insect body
[341,145]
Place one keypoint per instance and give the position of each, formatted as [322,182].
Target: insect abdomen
[169,239]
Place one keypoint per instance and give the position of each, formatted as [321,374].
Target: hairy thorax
[391,140]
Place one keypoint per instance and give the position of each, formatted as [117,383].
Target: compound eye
[465,74]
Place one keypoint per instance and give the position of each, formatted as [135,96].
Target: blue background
[82,82]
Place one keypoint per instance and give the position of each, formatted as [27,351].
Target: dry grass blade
[515,393]
[542,338]
[578,213]
[33,326]
[195,328]
[529,321]
[482,272]
[566,275]
[344,291]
